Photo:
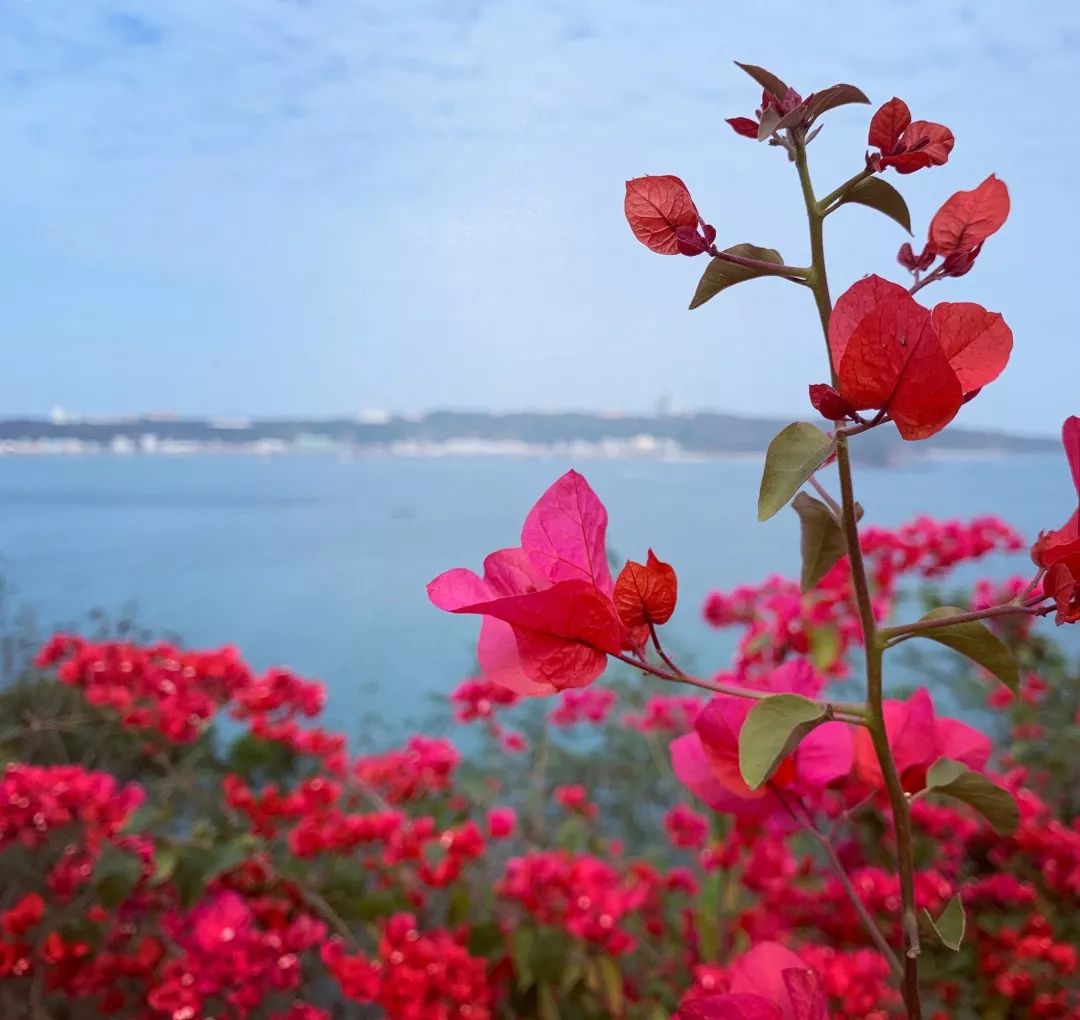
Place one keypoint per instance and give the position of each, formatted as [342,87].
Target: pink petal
[501,661]
[571,610]
[718,726]
[796,676]
[761,972]
[458,588]
[963,743]
[510,572]
[825,754]
[692,769]
[912,729]
[807,994]
[729,1007]
[564,534]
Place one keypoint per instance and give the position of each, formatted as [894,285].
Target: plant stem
[660,650]
[807,825]
[893,635]
[827,497]
[875,718]
[841,711]
[768,268]
[826,204]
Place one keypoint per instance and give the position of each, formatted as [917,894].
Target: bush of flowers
[785,839]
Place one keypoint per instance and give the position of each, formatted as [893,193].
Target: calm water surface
[320,564]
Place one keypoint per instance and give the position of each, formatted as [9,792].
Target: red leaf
[922,144]
[655,209]
[829,404]
[744,126]
[646,594]
[893,360]
[976,342]
[1070,438]
[888,124]
[853,305]
[969,217]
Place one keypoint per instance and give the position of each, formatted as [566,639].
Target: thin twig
[805,823]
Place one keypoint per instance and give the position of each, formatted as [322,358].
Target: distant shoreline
[462,450]
[441,434]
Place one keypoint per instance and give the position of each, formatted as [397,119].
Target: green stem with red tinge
[874,708]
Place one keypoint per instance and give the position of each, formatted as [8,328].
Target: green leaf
[832,97]
[540,956]
[795,453]
[977,642]
[116,874]
[486,939]
[719,275]
[822,539]
[766,79]
[772,730]
[955,779]
[547,1005]
[142,819]
[882,196]
[950,926]
[166,858]
[824,647]
[611,985]
[521,948]
[198,866]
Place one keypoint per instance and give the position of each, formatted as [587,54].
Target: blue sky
[316,206]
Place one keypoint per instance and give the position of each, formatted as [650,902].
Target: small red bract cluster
[779,620]
[415,976]
[907,145]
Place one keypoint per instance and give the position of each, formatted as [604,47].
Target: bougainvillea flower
[769,982]
[969,217]
[663,216]
[646,593]
[829,404]
[776,973]
[706,761]
[892,354]
[773,109]
[1058,552]
[907,145]
[549,620]
[729,1007]
[918,738]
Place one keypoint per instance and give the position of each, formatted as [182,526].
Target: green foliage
[821,537]
[720,274]
[975,640]
[950,925]
[879,194]
[772,730]
[996,805]
[795,453]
